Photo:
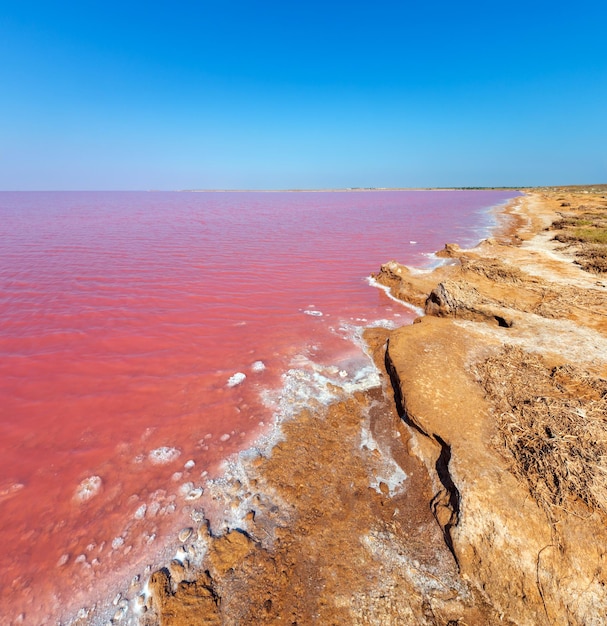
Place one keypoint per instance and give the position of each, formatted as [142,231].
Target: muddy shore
[469,488]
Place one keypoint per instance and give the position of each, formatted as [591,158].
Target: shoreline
[517,336]
[82,593]
[267,567]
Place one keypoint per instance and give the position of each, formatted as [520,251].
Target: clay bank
[468,487]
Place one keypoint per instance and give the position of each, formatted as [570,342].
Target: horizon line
[308,190]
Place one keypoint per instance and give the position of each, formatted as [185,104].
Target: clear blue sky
[301,94]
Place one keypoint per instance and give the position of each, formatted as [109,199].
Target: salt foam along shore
[489,330]
[143,369]
[386,485]
[306,385]
[316,377]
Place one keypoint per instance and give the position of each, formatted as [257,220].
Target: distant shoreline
[589,188]
[351,189]
[593,188]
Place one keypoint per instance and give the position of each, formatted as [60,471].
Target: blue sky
[274,95]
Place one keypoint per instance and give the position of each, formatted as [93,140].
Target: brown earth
[471,488]
[321,545]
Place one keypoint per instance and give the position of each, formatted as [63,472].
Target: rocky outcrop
[461,300]
[483,510]
[191,602]
[339,531]
[551,563]
[502,421]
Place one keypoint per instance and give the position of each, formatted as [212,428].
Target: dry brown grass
[577,191]
[563,301]
[494,269]
[552,425]
[567,222]
[593,258]
[586,231]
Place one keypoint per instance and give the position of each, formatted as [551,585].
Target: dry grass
[579,192]
[593,258]
[588,235]
[564,301]
[552,425]
[494,270]
[587,232]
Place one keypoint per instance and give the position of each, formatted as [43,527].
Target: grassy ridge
[584,227]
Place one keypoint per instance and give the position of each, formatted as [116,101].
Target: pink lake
[127,320]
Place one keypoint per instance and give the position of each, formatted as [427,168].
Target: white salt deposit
[236,379]
[153,508]
[388,471]
[163,455]
[313,313]
[258,366]
[11,490]
[185,489]
[117,542]
[194,494]
[88,488]
[374,283]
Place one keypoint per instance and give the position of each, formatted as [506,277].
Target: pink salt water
[141,335]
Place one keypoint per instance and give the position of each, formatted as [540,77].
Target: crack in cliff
[445,505]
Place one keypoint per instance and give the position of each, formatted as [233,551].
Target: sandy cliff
[504,383]
[471,488]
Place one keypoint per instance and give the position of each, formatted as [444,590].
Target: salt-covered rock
[236,379]
[163,455]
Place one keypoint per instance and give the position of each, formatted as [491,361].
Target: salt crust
[306,384]
[236,379]
[579,345]
[163,455]
[88,488]
[391,473]
[417,310]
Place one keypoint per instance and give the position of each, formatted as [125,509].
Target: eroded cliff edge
[504,382]
[468,489]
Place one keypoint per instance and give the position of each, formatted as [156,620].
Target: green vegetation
[567,222]
[591,235]
[585,229]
